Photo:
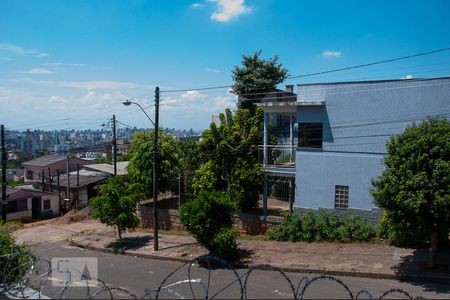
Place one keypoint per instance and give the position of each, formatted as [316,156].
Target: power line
[369,64]
[320,73]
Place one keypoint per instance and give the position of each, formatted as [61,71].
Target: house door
[36,208]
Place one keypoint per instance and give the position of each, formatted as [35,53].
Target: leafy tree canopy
[229,151]
[414,188]
[140,168]
[116,205]
[257,76]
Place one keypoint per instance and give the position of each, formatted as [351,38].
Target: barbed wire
[36,275]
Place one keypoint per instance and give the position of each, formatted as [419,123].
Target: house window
[12,206]
[47,204]
[310,135]
[30,175]
[341,197]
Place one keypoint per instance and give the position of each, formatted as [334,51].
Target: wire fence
[206,277]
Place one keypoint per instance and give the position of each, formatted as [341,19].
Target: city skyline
[70,65]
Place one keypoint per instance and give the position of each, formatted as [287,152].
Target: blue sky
[69,64]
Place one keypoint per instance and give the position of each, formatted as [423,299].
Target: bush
[209,217]
[14,259]
[323,226]
[224,243]
[402,233]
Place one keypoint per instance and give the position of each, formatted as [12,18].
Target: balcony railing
[276,156]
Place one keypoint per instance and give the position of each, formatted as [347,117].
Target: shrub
[209,217]
[323,226]
[402,233]
[224,243]
[15,259]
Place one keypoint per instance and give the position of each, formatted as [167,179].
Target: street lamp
[155,157]
[128,103]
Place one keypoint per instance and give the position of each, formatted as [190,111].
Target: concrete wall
[169,219]
[24,215]
[54,203]
[358,119]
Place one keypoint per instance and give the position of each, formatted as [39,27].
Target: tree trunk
[434,249]
[119,232]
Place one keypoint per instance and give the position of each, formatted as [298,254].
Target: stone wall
[169,219]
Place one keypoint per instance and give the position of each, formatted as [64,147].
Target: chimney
[289,88]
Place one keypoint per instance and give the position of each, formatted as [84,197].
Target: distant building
[82,186]
[25,203]
[49,165]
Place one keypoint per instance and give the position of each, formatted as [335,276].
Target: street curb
[408,278]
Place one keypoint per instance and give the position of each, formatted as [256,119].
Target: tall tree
[256,76]
[116,204]
[140,168]
[229,151]
[189,162]
[414,188]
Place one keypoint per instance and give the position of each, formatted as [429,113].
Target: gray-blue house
[329,143]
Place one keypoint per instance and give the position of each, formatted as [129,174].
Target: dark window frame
[310,135]
[46,201]
[29,175]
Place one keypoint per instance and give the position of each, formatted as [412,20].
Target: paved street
[137,275]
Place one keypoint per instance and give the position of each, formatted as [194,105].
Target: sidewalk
[355,259]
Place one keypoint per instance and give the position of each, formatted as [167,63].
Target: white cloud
[20,50]
[61,64]
[229,9]
[408,77]
[90,85]
[40,55]
[5,58]
[36,71]
[329,53]
[55,99]
[212,70]
[193,95]
[196,5]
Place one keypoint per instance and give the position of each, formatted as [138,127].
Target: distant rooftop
[44,160]
[108,168]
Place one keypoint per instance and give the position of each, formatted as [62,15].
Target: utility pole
[114,145]
[4,205]
[59,192]
[43,180]
[155,177]
[68,177]
[78,186]
[50,180]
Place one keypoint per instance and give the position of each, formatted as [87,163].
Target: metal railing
[277,155]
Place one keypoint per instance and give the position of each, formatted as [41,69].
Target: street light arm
[141,109]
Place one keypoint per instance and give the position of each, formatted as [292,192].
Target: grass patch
[10,226]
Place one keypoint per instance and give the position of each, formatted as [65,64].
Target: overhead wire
[321,72]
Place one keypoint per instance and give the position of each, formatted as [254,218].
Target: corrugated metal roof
[107,168]
[44,160]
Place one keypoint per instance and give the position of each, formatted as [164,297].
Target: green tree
[256,76]
[229,153]
[15,259]
[117,203]
[189,162]
[209,217]
[414,188]
[140,168]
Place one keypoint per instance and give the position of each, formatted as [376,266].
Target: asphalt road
[138,276]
